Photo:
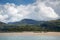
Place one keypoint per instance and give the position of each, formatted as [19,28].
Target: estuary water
[29,37]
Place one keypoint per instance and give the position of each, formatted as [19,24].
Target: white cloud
[14,13]
[37,11]
[43,12]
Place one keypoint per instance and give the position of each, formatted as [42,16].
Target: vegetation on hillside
[48,26]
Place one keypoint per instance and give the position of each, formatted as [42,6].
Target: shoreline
[30,34]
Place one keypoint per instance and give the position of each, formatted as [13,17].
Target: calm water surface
[29,37]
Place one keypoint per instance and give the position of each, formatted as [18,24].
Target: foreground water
[29,37]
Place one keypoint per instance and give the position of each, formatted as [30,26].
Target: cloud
[55,4]
[13,12]
[10,12]
[43,12]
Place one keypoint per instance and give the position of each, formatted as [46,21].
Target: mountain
[27,21]
[52,25]
[25,25]
[2,24]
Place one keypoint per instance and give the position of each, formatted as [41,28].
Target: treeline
[21,28]
[48,26]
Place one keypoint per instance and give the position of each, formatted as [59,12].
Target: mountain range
[27,21]
[49,25]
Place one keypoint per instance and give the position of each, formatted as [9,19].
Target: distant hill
[2,24]
[25,25]
[52,25]
[27,21]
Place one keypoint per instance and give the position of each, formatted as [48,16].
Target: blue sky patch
[17,2]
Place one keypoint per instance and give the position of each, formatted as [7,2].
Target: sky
[40,10]
[17,2]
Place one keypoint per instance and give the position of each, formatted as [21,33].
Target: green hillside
[47,26]
[53,25]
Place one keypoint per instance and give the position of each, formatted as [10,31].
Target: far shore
[30,34]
